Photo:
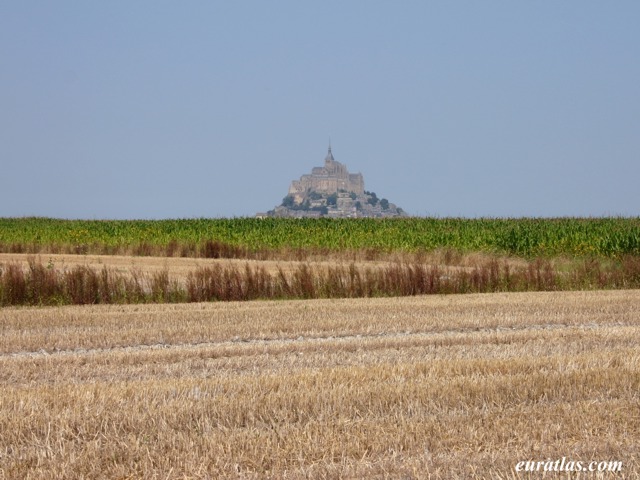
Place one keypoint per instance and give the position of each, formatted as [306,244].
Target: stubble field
[459,386]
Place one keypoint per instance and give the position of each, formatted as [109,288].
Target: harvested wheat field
[178,268]
[460,386]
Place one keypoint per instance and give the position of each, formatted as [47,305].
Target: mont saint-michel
[331,191]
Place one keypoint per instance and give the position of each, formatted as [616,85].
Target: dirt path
[177,266]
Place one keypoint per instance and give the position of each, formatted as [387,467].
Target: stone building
[331,191]
[333,177]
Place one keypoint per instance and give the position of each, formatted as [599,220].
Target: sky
[158,109]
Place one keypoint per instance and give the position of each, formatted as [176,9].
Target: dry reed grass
[444,387]
[33,283]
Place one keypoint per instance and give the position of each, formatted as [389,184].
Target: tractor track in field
[301,340]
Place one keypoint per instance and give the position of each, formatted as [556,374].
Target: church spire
[329,157]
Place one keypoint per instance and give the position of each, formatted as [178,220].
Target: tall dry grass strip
[44,285]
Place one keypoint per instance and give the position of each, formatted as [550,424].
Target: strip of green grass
[525,237]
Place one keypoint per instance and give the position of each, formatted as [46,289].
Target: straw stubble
[422,387]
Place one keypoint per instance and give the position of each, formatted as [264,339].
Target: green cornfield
[523,237]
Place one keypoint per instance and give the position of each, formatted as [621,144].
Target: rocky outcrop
[331,191]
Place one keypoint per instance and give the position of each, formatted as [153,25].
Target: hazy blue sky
[155,109]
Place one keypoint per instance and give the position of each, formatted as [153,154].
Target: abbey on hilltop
[331,191]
